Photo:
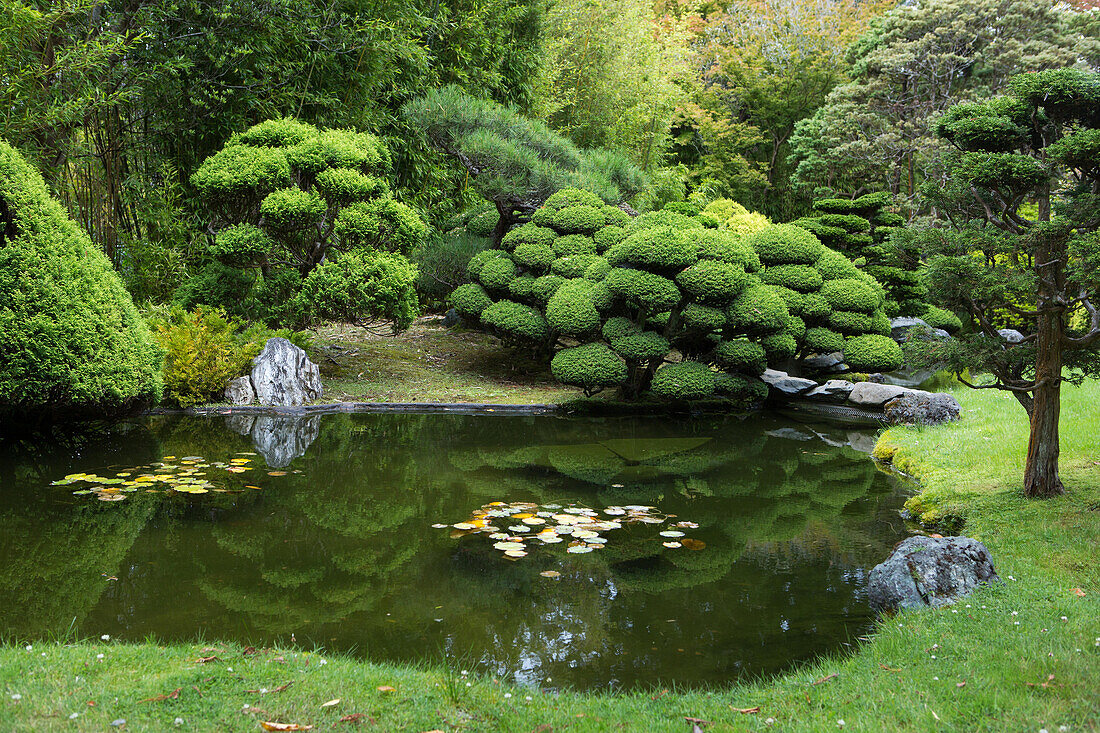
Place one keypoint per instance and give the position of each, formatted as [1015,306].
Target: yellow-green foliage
[71,340]
[204,352]
[733,217]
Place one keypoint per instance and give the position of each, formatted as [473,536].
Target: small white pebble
[1015,613]
[933,656]
[43,653]
[322,663]
[771,721]
[230,669]
[1063,728]
[983,605]
[245,707]
[954,610]
[1011,578]
[263,690]
[118,723]
[968,605]
[99,656]
[1065,618]
[17,697]
[106,637]
[178,721]
[465,672]
[840,723]
[507,695]
[936,678]
[74,716]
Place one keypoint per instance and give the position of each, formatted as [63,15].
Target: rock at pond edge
[921,408]
[283,375]
[239,391]
[930,571]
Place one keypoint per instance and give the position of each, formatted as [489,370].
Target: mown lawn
[1021,656]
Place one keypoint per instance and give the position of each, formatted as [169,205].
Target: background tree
[515,162]
[766,64]
[874,133]
[1040,263]
[313,206]
[74,345]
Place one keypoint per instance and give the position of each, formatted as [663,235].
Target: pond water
[335,543]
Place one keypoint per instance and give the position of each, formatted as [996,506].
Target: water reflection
[342,554]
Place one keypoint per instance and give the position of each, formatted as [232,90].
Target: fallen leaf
[205,660]
[827,677]
[386,688]
[696,724]
[550,574]
[889,669]
[745,711]
[330,703]
[353,718]
[284,726]
[1044,685]
[692,544]
[173,695]
[1078,592]
[960,684]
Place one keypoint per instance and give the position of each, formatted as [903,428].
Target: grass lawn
[1021,656]
[429,363]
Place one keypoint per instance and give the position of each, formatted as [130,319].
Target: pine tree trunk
[1041,471]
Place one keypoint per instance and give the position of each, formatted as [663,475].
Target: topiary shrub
[72,344]
[873,353]
[470,300]
[786,244]
[287,195]
[591,367]
[937,317]
[687,380]
[516,322]
[359,287]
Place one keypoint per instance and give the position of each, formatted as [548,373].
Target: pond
[711,548]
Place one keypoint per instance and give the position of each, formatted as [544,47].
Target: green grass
[979,666]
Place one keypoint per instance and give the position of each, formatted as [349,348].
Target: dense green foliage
[515,162]
[666,302]
[292,200]
[71,340]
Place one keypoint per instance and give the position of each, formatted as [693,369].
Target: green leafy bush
[72,344]
[742,355]
[786,244]
[570,310]
[591,367]
[470,300]
[873,353]
[687,380]
[516,322]
[442,263]
[359,287]
[937,317]
[204,350]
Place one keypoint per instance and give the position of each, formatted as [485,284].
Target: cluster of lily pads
[520,525]
[187,475]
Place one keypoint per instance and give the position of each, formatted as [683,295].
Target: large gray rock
[835,390]
[1011,335]
[833,362]
[921,408]
[784,384]
[282,439]
[239,391]
[930,571]
[283,375]
[871,394]
[899,327]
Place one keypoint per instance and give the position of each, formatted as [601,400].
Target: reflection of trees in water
[57,550]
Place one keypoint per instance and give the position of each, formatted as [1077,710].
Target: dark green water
[340,551]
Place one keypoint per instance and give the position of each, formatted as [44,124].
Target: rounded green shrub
[850,295]
[684,381]
[873,353]
[703,318]
[523,288]
[848,322]
[484,223]
[724,246]
[239,175]
[786,244]
[779,346]
[597,270]
[758,310]
[470,300]
[939,318]
[793,299]
[567,197]
[641,346]
[815,307]
[796,328]
[608,237]
[278,133]
[573,266]
[834,266]
[748,223]
[800,278]
[516,321]
[643,289]
[577,219]
[713,282]
[382,224]
[546,286]
[741,355]
[880,323]
[292,208]
[663,218]
[529,233]
[570,310]
[343,186]
[821,340]
[617,327]
[739,387]
[72,344]
[479,260]
[535,257]
[591,366]
[574,244]
[240,245]
[661,249]
[360,286]
[614,216]
[497,273]
[340,149]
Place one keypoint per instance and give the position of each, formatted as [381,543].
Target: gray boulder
[872,394]
[930,571]
[282,439]
[239,391]
[283,375]
[833,362]
[921,408]
[835,390]
[1011,335]
[899,327]
[784,384]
